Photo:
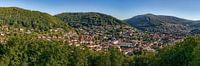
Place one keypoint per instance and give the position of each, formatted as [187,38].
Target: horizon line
[53,14]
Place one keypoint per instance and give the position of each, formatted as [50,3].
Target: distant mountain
[18,17]
[163,24]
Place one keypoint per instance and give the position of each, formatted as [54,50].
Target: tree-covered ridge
[163,24]
[89,19]
[18,17]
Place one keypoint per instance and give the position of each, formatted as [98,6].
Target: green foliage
[103,60]
[178,55]
[88,19]
[116,57]
[25,51]
[146,59]
[195,56]
[30,19]
[78,57]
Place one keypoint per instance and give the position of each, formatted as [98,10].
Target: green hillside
[161,24]
[18,17]
[89,19]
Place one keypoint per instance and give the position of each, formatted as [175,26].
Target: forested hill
[163,24]
[89,19]
[18,17]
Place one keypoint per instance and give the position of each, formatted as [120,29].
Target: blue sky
[122,9]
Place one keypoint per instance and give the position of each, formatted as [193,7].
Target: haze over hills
[163,24]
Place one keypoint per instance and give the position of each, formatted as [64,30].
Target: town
[128,41]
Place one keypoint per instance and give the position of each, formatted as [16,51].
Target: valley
[94,33]
[95,30]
